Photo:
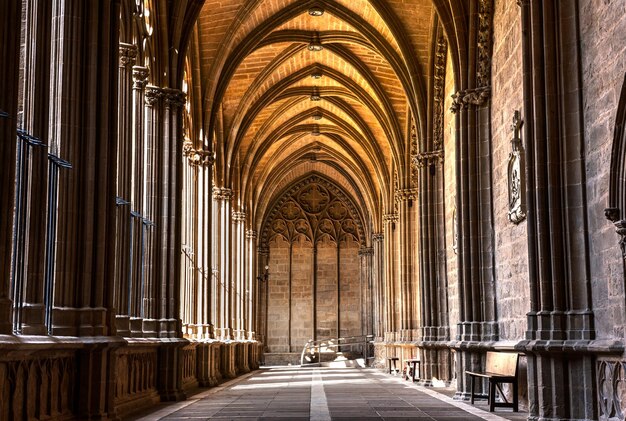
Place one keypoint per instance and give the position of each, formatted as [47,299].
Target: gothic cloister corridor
[194,191]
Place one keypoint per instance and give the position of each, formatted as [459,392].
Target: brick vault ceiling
[256,66]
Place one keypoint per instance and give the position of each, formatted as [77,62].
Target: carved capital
[425,159]
[464,99]
[403,195]
[197,157]
[378,236]
[153,94]
[390,218]
[366,251]
[251,234]
[128,55]
[227,193]
[174,98]
[140,77]
[238,217]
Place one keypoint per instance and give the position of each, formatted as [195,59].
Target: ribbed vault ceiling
[289,91]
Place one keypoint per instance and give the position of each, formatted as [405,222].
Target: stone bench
[500,367]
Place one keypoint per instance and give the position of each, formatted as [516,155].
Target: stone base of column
[228,357]
[96,368]
[243,349]
[122,325]
[69,321]
[33,319]
[6,327]
[170,370]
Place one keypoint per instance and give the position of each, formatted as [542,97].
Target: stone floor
[294,393]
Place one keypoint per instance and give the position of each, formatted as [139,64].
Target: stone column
[85,135]
[409,288]
[226,280]
[10,19]
[36,90]
[253,286]
[142,226]
[216,271]
[82,135]
[366,271]
[124,206]
[390,221]
[172,208]
[378,285]
[238,261]
[151,151]
[562,384]
[477,309]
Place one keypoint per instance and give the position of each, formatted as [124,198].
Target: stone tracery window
[315,210]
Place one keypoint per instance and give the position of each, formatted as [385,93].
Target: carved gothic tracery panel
[316,210]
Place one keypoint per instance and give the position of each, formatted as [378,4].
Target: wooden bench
[501,367]
[393,360]
[412,367]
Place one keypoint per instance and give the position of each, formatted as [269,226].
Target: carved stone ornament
[485,19]
[403,195]
[128,55]
[438,97]
[464,99]
[426,159]
[239,217]
[378,236]
[140,77]
[611,390]
[516,182]
[313,210]
[152,95]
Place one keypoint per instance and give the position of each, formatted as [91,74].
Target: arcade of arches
[189,188]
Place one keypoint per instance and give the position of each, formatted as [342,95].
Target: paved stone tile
[281,395]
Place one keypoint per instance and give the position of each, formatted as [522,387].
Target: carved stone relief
[611,390]
[516,185]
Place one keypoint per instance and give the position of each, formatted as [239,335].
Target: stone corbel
[613,215]
[404,195]
[425,159]
[464,99]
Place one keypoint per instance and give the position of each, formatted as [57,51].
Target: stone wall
[603,45]
[337,306]
[511,249]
